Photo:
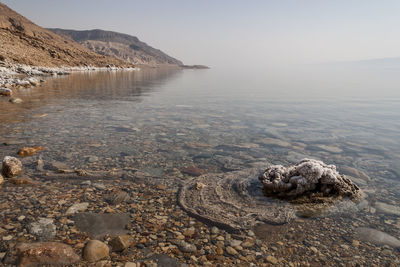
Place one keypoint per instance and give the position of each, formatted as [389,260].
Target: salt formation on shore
[308,176]
[237,200]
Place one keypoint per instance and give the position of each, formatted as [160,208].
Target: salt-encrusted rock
[95,250]
[6,92]
[11,166]
[308,176]
[44,229]
[77,207]
[42,253]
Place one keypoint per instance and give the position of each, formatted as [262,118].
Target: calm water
[162,120]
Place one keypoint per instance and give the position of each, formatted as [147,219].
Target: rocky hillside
[22,41]
[122,46]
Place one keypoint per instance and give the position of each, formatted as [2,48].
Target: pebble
[214,230]
[272,259]
[186,247]
[231,251]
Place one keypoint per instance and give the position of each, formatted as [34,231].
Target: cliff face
[122,46]
[22,41]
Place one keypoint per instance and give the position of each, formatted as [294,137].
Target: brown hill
[119,45]
[22,41]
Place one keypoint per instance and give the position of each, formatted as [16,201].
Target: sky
[221,33]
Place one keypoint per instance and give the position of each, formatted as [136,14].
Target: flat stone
[95,250]
[99,224]
[376,237]
[11,166]
[192,170]
[387,209]
[29,151]
[42,253]
[77,208]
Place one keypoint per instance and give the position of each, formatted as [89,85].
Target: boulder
[95,250]
[308,176]
[11,166]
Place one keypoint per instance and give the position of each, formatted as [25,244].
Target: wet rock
[15,100]
[192,170]
[121,242]
[11,166]
[78,207]
[376,237]
[5,92]
[118,197]
[29,151]
[274,142]
[304,177]
[387,209]
[43,229]
[95,250]
[98,224]
[22,181]
[355,173]
[42,253]
[33,81]
[186,247]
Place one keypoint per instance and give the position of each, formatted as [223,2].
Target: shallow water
[159,121]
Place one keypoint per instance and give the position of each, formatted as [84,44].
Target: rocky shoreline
[15,76]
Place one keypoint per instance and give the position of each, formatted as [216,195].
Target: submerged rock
[29,151]
[377,237]
[42,253]
[308,176]
[11,166]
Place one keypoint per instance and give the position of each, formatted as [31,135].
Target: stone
[387,209]
[231,251]
[186,247]
[192,170]
[200,186]
[214,230]
[15,100]
[272,260]
[98,224]
[1,179]
[118,197]
[43,253]
[22,181]
[304,177]
[11,166]
[376,237]
[29,151]
[33,81]
[78,207]
[43,229]
[120,243]
[95,250]
[5,92]
[130,264]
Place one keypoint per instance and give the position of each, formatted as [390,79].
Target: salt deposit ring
[234,201]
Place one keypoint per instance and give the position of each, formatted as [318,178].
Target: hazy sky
[236,33]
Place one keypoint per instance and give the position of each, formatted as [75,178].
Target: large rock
[42,253]
[11,166]
[44,229]
[307,176]
[95,250]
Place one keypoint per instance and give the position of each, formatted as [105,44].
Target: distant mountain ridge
[119,45]
[22,41]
